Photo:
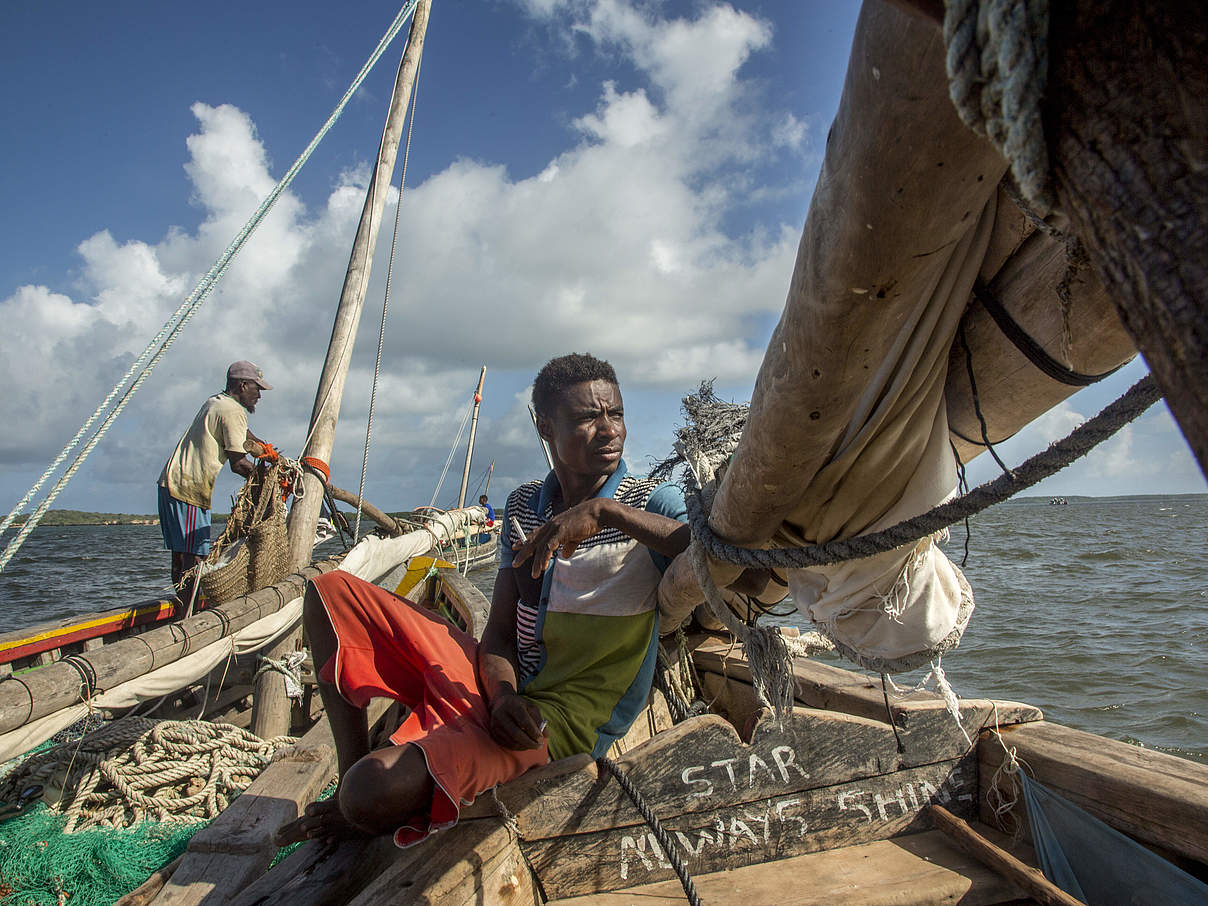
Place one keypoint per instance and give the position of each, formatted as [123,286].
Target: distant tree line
[84,517]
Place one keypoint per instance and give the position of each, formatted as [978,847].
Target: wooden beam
[914,869]
[305,512]
[1154,797]
[384,519]
[1023,876]
[1127,126]
[272,707]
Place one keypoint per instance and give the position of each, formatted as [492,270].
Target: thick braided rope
[660,834]
[135,768]
[997,63]
[1060,454]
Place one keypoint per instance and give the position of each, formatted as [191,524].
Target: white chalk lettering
[701,781]
[735,826]
[895,796]
[752,763]
[850,801]
[703,837]
[789,803]
[786,758]
[628,844]
[728,764]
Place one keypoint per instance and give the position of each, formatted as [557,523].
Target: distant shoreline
[84,517]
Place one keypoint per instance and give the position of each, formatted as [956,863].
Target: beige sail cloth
[847,432]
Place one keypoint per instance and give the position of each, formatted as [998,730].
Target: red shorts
[389,647]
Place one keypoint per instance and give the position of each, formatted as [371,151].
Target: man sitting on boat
[218,434]
[565,663]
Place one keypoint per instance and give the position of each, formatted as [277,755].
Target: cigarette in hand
[518,530]
[542,727]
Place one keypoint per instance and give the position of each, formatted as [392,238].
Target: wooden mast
[305,512]
[465,473]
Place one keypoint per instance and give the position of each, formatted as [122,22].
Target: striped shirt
[586,631]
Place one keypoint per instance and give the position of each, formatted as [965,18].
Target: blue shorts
[185,526]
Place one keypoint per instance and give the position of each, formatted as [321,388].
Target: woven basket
[227,581]
[263,557]
[269,561]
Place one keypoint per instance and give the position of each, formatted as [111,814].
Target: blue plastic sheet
[1099,865]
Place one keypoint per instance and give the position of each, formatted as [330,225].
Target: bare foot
[321,821]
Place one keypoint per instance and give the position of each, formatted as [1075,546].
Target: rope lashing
[290,668]
[151,355]
[1059,454]
[135,769]
[1033,351]
[605,763]
[318,467]
[998,64]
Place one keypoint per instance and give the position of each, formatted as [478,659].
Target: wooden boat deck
[920,869]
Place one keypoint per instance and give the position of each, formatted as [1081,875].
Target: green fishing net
[39,864]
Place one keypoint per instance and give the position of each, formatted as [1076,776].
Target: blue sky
[625,178]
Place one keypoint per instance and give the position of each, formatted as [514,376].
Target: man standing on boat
[219,434]
[565,663]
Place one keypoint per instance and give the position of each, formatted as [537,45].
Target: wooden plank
[473,861]
[914,870]
[316,874]
[861,811]
[655,718]
[1157,798]
[1025,877]
[701,764]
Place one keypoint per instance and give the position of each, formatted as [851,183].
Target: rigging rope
[1059,454]
[377,365]
[452,451]
[167,335]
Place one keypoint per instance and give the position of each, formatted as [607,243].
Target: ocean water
[1096,612]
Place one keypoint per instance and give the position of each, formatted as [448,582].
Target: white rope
[175,324]
[134,769]
[452,451]
[377,365]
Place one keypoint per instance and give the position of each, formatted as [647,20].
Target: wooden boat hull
[831,807]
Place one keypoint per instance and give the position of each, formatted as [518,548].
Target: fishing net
[40,864]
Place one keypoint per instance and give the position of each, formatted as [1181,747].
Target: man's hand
[516,722]
[566,531]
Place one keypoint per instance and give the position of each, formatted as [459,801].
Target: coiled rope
[151,355]
[137,769]
[998,64]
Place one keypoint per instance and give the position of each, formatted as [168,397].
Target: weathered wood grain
[473,861]
[316,874]
[701,764]
[1023,876]
[1157,798]
[752,832]
[272,708]
[914,870]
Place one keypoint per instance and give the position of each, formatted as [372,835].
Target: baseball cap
[246,371]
